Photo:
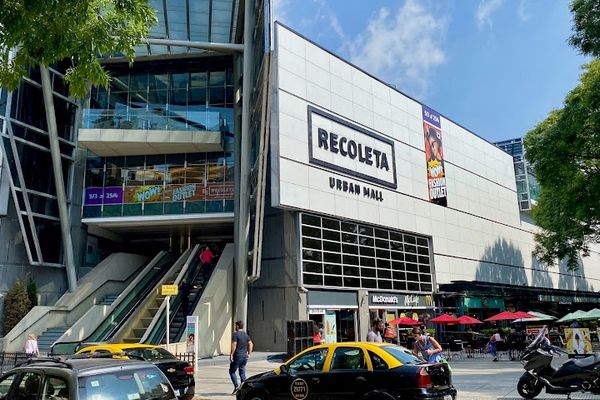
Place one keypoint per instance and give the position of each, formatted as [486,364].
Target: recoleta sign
[348,148]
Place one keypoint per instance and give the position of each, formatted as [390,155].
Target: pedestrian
[374,334]
[206,257]
[428,347]
[184,289]
[241,348]
[390,333]
[316,334]
[31,346]
[496,339]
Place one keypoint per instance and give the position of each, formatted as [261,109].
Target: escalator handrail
[114,306]
[158,319]
[142,298]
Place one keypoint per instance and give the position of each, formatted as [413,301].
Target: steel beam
[218,47]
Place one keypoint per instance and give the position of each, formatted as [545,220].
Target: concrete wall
[275,297]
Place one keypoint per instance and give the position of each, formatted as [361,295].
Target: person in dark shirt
[241,348]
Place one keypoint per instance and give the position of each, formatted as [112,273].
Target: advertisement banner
[330,327]
[95,196]
[191,333]
[139,194]
[578,341]
[434,154]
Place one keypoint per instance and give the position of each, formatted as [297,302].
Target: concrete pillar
[364,318]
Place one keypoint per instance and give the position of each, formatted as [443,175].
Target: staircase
[179,320]
[108,300]
[136,331]
[49,336]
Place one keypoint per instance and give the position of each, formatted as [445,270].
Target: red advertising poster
[434,153]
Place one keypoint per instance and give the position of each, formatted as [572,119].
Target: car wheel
[529,387]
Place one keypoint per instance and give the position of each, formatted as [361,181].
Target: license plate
[177,394]
[448,397]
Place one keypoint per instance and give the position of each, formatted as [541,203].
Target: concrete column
[61,196]
[364,318]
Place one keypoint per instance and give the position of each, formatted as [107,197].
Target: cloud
[281,9]
[401,48]
[522,11]
[484,13]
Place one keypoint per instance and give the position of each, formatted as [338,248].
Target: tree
[16,305]
[564,150]
[45,32]
[586,26]
[48,31]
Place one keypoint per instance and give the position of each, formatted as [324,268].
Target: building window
[338,253]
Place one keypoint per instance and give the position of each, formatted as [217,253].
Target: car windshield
[131,384]
[402,354]
[150,353]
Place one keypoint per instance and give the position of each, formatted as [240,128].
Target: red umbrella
[523,314]
[404,321]
[466,320]
[504,315]
[444,319]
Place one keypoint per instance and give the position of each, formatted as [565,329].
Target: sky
[496,67]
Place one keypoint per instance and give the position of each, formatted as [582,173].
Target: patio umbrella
[523,314]
[538,317]
[593,314]
[404,321]
[466,320]
[574,316]
[444,319]
[503,316]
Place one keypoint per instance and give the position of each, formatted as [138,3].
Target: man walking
[374,334]
[241,348]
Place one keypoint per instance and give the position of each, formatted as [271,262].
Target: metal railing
[137,118]
[10,360]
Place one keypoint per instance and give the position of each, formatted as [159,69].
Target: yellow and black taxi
[370,371]
[179,373]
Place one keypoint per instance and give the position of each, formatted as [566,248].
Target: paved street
[475,379]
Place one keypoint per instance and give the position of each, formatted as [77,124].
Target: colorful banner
[578,341]
[158,193]
[434,153]
[191,333]
[330,327]
[108,195]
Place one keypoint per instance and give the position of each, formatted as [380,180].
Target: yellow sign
[169,290]
[578,341]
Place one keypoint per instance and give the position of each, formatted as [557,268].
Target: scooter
[574,375]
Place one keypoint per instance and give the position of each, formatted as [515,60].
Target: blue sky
[497,67]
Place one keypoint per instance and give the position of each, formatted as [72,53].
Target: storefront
[336,313]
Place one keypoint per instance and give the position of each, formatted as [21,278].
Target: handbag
[488,347]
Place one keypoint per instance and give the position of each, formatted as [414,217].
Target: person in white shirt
[374,334]
[31,346]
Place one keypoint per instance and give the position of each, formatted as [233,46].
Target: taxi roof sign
[169,290]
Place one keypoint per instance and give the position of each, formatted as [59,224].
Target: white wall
[479,236]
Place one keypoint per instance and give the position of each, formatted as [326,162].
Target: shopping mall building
[323,192]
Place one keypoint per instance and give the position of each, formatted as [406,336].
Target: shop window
[410,276]
[423,260]
[311,232]
[382,253]
[313,267]
[332,258]
[369,283]
[399,276]
[331,224]
[383,284]
[380,233]
[312,279]
[413,287]
[351,260]
[348,238]
[384,273]
[333,269]
[331,235]
[366,241]
[311,243]
[311,255]
[410,239]
[423,242]
[349,249]
[398,266]
[423,250]
[365,230]
[426,287]
[399,285]
[332,246]
[382,244]
[350,270]
[397,246]
[310,220]
[367,251]
[368,272]
[410,248]
[333,281]
[349,227]
[410,267]
[367,262]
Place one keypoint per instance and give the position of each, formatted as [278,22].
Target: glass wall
[159,184]
[192,100]
[347,254]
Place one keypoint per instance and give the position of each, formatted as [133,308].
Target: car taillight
[424,379]
[188,370]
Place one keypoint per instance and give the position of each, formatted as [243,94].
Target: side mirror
[284,369]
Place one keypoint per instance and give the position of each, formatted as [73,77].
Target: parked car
[179,373]
[373,371]
[85,379]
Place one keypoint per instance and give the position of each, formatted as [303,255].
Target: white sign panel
[345,147]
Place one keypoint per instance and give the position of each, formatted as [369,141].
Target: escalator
[197,277]
[126,305]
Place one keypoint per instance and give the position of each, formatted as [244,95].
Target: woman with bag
[428,347]
[493,343]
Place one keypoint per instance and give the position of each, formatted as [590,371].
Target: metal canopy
[210,21]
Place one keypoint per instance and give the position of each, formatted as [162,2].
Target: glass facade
[180,97]
[162,184]
[346,254]
[528,189]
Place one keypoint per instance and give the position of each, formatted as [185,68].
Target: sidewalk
[475,379]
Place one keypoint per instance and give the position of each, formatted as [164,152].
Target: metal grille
[337,253]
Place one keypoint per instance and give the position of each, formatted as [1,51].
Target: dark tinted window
[138,383]
[151,354]
[348,358]
[378,363]
[5,385]
[311,361]
[402,354]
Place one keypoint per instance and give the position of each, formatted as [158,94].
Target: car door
[303,379]
[55,388]
[6,384]
[348,376]
[27,386]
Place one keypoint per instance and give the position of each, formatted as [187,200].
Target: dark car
[180,373]
[373,371]
[85,379]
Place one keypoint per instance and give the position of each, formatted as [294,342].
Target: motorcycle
[574,375]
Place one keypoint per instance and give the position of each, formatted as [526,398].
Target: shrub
[16,305]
